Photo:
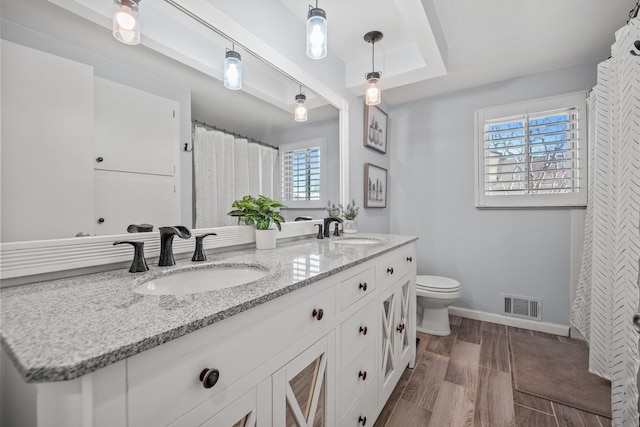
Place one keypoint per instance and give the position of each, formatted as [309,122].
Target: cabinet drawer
[235,346]
[356,377]
[356,287]
[363,411]
[357,332]
[395,265]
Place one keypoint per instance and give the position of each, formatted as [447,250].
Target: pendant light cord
[633,13]
[373,55]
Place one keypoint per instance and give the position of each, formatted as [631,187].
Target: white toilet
[434,296]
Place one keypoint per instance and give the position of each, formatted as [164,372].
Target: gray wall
[432,190]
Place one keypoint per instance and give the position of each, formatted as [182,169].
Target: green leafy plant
[261,212]
[332,210]
[351,211]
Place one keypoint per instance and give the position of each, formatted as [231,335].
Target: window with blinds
[534,158]
[302,173]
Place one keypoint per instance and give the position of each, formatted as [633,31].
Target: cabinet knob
[410,259]
[317,313]
[99,159]
[100,220]
[362,420]
[209,377]
[363,286]
[363,330]
[390,270]
[400,327]
[363,375]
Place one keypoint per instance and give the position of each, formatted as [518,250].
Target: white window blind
[302,173]
[535,158]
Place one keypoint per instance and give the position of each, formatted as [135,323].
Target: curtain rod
[212,127]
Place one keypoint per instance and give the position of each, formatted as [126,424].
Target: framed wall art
[375,186]
[375,128]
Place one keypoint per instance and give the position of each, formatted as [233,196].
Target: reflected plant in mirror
[333,211]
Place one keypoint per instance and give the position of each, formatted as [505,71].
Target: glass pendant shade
[316,33]
[300,109]
[373,94]
[232,70]
[126,25]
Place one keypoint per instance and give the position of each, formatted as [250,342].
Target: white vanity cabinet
[327,354]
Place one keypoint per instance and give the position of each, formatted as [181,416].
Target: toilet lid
[437,283]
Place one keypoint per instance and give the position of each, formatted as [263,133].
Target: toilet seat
[437,284]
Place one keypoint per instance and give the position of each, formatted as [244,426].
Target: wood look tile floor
[465,379]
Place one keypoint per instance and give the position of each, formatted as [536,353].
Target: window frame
[321,144]
[540,105]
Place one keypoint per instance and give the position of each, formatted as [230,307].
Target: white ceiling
[480,41]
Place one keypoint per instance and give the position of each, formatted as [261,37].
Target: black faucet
[327,222]
[198,254]
[139,264]
[166,243]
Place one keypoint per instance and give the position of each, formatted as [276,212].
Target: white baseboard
[550,328]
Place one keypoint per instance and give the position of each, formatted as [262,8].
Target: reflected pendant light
[300,108]
[373,94]
[126,25]
[316,33]
[232,70]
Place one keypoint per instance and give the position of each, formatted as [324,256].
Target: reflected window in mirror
[303,173]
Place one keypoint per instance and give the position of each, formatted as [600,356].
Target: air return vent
[523,307]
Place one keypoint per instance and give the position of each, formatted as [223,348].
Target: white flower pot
[266,239]
[350,226]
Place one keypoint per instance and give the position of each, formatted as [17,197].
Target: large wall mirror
[177,70]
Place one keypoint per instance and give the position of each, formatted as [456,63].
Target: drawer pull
[209,377]
[363,330]
[390,270]
[362,420]
[400,327]
[410,259]
[363,286]
[318,313]
[363,375]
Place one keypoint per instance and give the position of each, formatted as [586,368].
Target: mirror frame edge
[20,261]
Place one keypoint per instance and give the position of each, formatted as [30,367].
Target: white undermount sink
[203,280]
[358,241]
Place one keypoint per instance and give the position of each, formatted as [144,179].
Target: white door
[124,198]
[47,145]
[135,131]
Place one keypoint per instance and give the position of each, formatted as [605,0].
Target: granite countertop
[62,329]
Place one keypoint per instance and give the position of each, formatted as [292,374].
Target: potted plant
[349,214]
[261,212]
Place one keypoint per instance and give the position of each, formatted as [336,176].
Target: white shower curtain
[607,295]
[226,168]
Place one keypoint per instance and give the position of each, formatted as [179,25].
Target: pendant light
[316,32]
[232,70]
[126,25]
[300,108]
[373,94]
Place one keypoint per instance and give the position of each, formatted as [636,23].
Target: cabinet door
[135,131]
[388,337]
[397,307]
[302,388]
[406,312]
[241,413]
